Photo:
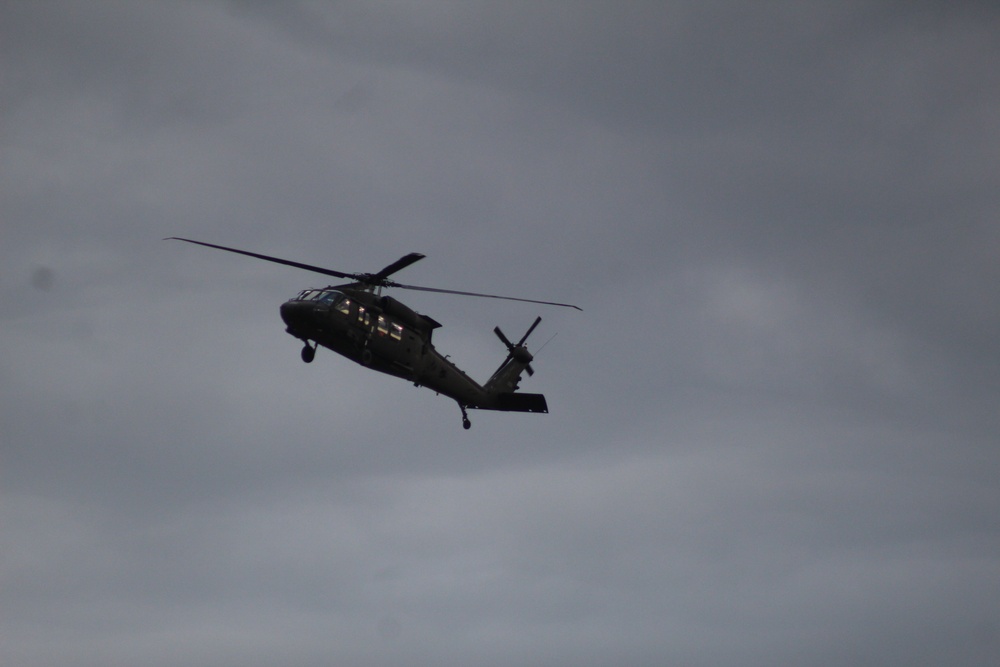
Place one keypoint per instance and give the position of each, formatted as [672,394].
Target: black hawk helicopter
[356,321]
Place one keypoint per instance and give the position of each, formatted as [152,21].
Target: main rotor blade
[276,260]
[376,279]
[400,263]
[486,296]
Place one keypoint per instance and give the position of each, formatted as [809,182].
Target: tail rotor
[518,351]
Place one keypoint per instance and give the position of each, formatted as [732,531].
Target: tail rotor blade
[503,339]
[528,332]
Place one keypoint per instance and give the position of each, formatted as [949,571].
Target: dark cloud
[773,428]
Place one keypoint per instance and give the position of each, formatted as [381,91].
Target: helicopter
[357,321]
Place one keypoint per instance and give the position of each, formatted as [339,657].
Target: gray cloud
[773,429]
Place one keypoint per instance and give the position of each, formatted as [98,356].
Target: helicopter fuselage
[385,335]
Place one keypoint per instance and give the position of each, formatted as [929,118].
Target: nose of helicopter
[296,314]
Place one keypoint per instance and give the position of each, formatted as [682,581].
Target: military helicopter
[356,321]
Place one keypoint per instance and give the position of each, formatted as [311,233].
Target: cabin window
[343,306]
[363,316]
[383,326]
[396,332]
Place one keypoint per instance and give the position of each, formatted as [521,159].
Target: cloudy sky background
[773,436]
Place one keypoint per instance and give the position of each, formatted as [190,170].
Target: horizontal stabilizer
[522,402]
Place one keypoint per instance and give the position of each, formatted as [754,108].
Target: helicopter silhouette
[379,332]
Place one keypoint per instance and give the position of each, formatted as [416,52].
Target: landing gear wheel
[308,353]
[466,424]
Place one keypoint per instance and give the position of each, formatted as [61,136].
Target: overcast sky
[774,430]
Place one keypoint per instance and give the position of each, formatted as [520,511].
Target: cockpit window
[330,297]
[325,297]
